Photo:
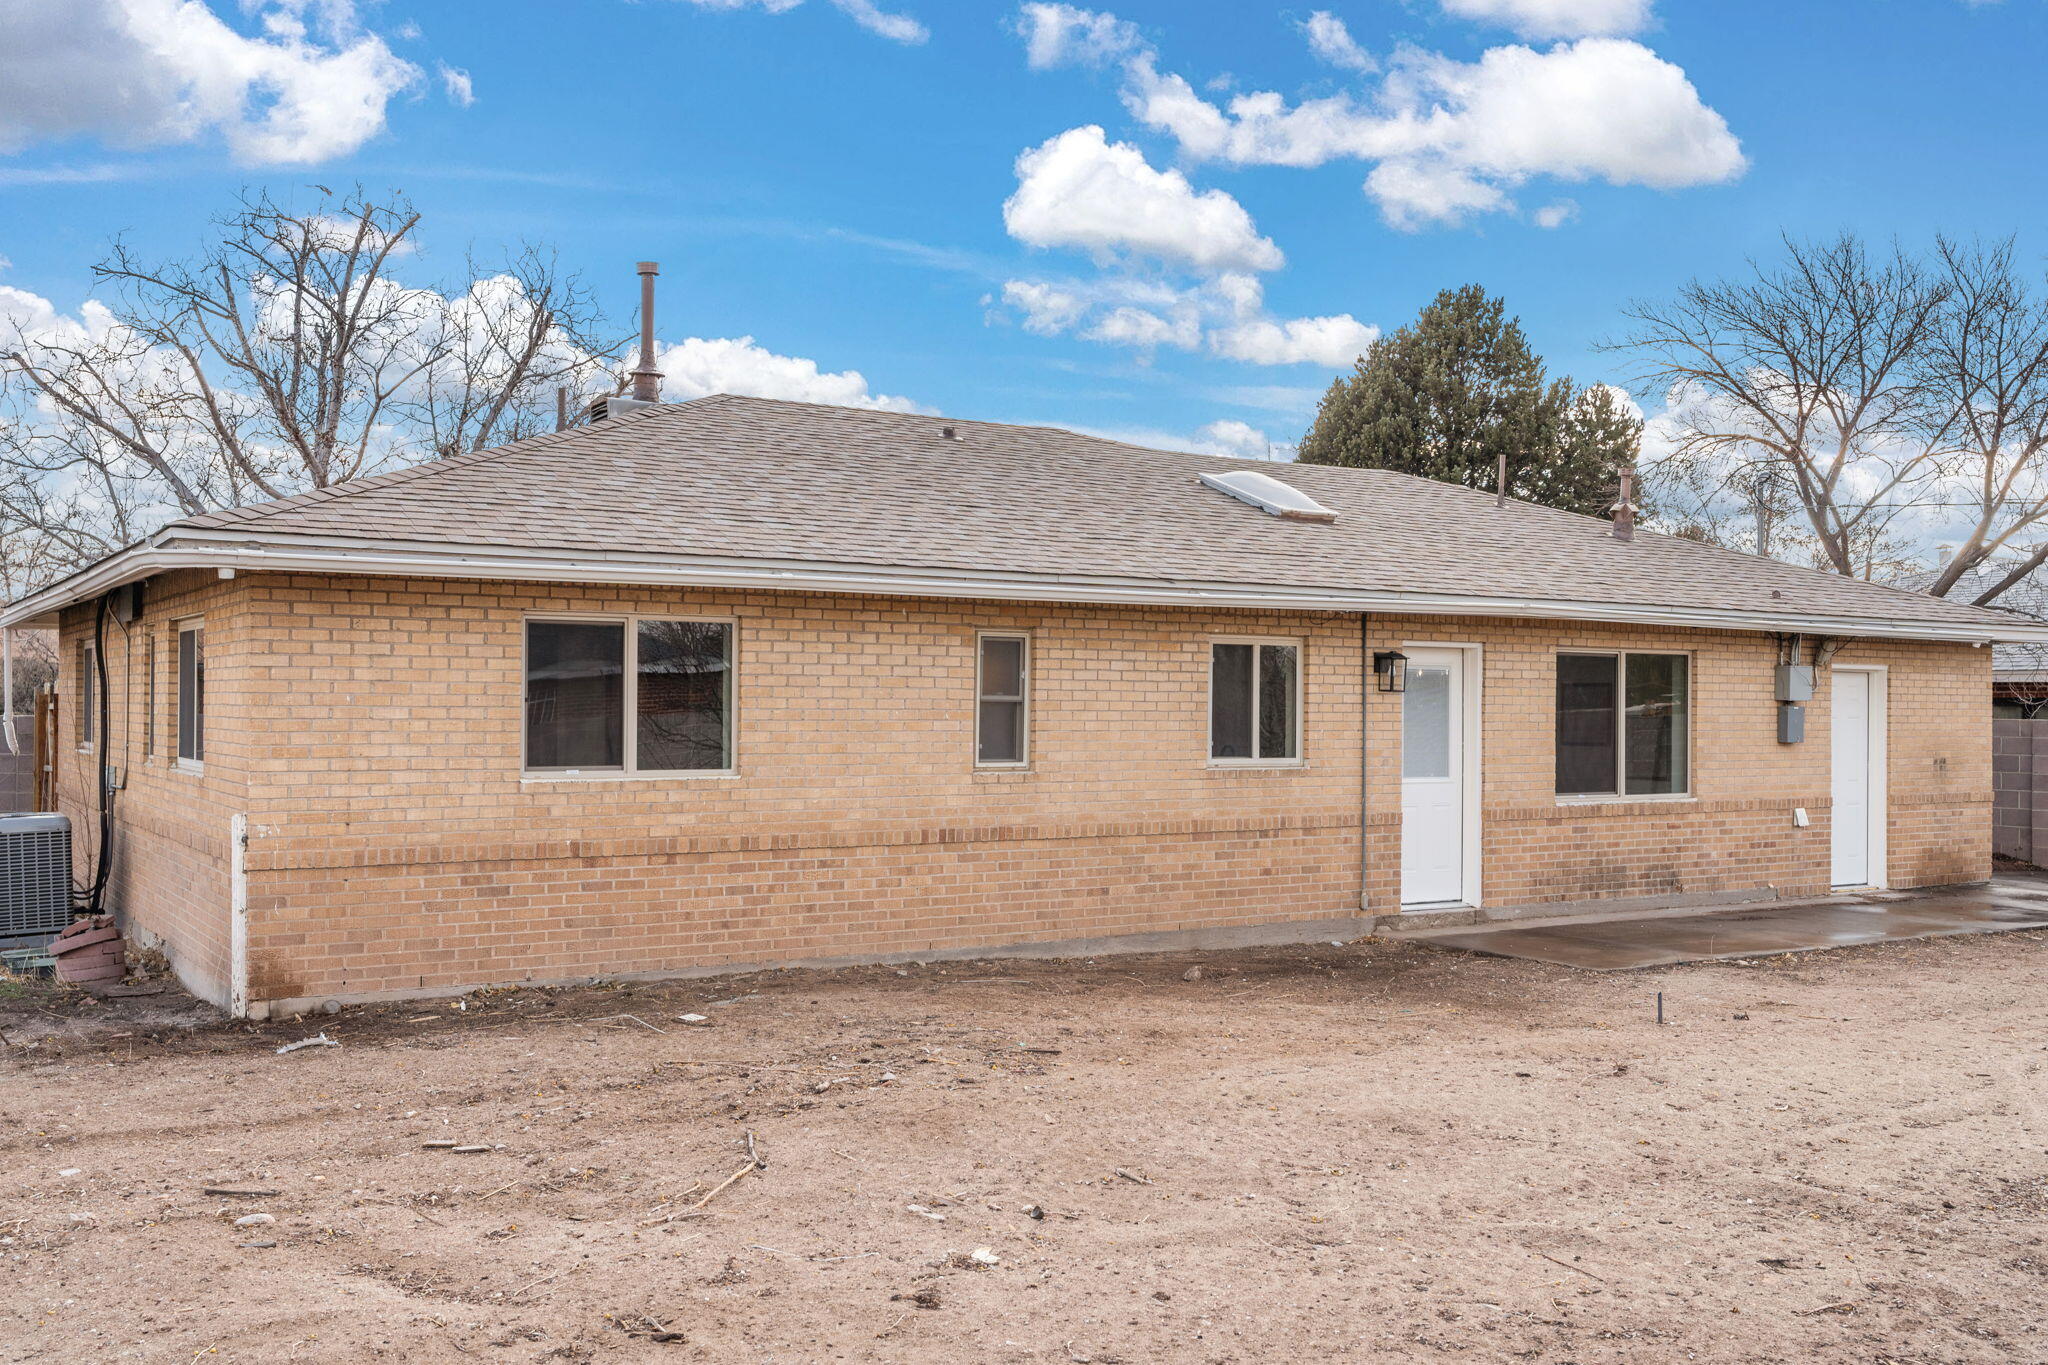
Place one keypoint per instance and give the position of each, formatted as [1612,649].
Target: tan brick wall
[1736,830]
[170,882]
[371,729]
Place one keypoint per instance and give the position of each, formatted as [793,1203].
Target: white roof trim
[231,551]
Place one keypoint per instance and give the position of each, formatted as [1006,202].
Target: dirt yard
[1381,1152]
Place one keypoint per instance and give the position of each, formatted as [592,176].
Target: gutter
[229,552]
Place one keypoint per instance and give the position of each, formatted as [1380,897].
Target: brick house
[739,682]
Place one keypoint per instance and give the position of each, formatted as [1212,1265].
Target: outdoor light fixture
[1392,667]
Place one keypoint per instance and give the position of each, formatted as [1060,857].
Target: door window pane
[1426,722]
[575,694]
[1586,729]
[684,677]
[1277,665]
[999,718]
[192,695]
[1657,723]
[1230,701]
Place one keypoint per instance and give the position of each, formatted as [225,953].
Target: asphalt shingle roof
[764,479]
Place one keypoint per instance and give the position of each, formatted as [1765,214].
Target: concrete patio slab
[1659,940]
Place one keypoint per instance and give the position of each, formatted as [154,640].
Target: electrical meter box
[1795,682]
[1791,724]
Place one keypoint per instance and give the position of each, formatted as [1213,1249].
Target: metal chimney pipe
[1624,509]
[647,379]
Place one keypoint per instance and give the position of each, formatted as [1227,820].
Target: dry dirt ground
[1380,1152]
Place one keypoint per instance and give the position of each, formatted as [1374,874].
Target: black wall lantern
[1392,667]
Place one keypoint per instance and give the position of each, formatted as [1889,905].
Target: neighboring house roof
[2013,661]
[757,492]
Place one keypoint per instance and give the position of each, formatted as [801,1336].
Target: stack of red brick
[89,953]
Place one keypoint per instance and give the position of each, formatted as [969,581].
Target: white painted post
[238,917]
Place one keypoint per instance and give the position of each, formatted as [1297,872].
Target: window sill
[1232,765]
[552,779]
[1667,799]
[187,765]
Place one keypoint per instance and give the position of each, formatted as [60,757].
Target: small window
[191,692]
[1001,719]
[1623,724]
[88,695]
[583,678]
[149,694]
[1254,702]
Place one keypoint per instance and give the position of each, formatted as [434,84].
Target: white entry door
[1853,728]
[1433,778]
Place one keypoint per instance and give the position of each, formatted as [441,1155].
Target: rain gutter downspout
[7,673]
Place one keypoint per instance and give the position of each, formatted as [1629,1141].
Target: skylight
[1269,495]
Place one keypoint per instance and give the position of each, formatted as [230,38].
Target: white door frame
[1880,802]
[1473,659]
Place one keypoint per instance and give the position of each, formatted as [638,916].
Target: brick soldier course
[363,809]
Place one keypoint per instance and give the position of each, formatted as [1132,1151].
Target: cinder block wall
[170,883]
[2020,774]
[371,729]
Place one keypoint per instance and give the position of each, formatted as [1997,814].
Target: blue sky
[830,177]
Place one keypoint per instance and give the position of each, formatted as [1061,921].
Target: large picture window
[1254,701]
[585,677]
[1623,724]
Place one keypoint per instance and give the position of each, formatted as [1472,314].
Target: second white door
[1433,779]
[1852,725]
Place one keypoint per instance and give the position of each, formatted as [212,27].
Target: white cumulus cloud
[1226,312]
[151,72]
[1241,439]
[1332,42]
[1451,138]
[1080,190]
[899,28]
[1557,18]
[457,85]
[1332,342]
[1047,309]
[1062,35]
[697,367]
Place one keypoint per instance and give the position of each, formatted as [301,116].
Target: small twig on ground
[500,1190]
[747,1169]
[533,1284]
[604,1018]
[753,1153]
[1844,1306]
[1132,1177]
[1569,1266]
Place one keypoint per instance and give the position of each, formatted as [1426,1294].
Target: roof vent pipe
[647,379]
[1624,509]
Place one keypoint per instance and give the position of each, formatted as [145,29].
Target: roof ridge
[461,459]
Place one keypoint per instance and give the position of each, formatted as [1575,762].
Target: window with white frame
[1254,701]
[585,677]
[1624,724]
[1002,701]
[88,694]
[191,692]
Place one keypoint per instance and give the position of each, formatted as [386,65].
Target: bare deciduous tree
[1857,391]
[287,356]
